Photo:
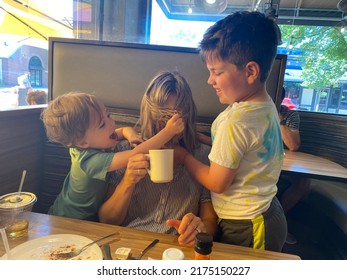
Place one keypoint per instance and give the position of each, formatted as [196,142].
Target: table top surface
[313,166]
[42,225]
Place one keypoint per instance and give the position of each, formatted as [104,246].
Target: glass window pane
[315,78]
[25,27]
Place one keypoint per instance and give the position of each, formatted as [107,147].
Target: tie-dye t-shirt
[246,136]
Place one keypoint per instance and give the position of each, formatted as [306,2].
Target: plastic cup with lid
[13,207]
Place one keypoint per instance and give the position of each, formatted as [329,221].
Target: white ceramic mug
[161,165]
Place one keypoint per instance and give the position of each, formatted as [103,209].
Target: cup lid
[15,200]
[173,254]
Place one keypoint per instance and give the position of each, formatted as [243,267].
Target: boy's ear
[252,71]
[82,144]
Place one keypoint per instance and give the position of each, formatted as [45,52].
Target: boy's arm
[119,132]
[174,126]
[130,134]
[126,132]
[215,177]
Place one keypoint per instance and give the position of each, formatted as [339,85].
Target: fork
[75,253]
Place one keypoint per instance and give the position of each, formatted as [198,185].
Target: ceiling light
[342,5]
[211,6]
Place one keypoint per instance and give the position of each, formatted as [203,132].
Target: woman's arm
[290,130]
[291,138]
[209,218]
[114,209]
[204,139]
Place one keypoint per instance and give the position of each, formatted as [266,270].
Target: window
[24,30]
[35,71]
[315,78]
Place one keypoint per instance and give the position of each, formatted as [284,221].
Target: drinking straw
[5,241]
[21,185]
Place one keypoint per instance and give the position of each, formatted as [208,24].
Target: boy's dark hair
[240,38]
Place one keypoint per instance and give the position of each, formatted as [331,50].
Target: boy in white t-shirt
[247,150]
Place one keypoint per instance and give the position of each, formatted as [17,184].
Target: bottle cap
[173,254]
[203,243]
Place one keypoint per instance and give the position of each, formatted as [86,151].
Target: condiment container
[203,246]
[173,254]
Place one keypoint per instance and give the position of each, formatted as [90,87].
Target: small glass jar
[203,246]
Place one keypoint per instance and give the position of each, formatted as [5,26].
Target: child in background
[36,97]
[80,121]
[247,151]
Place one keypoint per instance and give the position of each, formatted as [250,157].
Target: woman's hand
[136,169]
[187,228]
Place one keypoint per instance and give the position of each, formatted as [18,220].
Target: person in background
[22,89]
[36,97]
[290,122]
[291,188]
[182,206]
[247,151]
[81,122]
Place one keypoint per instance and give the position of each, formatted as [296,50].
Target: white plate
[42,248]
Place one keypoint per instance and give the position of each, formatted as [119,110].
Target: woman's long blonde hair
[154,115]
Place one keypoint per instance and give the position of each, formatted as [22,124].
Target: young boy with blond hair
[80,121]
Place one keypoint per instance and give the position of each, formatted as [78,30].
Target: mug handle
[149,159]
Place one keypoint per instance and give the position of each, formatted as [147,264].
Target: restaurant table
[42,225]
[313,166]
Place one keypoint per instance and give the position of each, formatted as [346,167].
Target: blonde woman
[182,206]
